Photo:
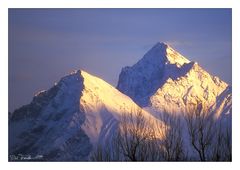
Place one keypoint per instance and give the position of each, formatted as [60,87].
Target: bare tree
[228,144]
[222,148]
[172,143]
[100,153]
[135,140]
[200,125]
[136,136]
[140,139]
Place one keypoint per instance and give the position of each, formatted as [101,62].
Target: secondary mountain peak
[68,120]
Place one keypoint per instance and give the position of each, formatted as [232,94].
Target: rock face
[67,121]
[164,80]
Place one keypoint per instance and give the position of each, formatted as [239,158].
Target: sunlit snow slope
[68,120]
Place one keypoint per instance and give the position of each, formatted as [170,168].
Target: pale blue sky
[46,44]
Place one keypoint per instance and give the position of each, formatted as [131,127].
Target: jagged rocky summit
[164,80]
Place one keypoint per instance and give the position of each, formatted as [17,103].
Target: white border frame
[234,4]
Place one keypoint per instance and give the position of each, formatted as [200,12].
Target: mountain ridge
[66,122]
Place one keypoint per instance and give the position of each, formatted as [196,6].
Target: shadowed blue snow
[46,44]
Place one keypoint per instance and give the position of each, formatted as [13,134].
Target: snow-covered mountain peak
[166,51]
[164,79]
[150,72]
[66,121]
[161,54]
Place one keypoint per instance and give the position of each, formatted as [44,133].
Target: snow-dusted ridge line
[68,120]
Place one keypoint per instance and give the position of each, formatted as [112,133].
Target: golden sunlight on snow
[99,98]
[196,87]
